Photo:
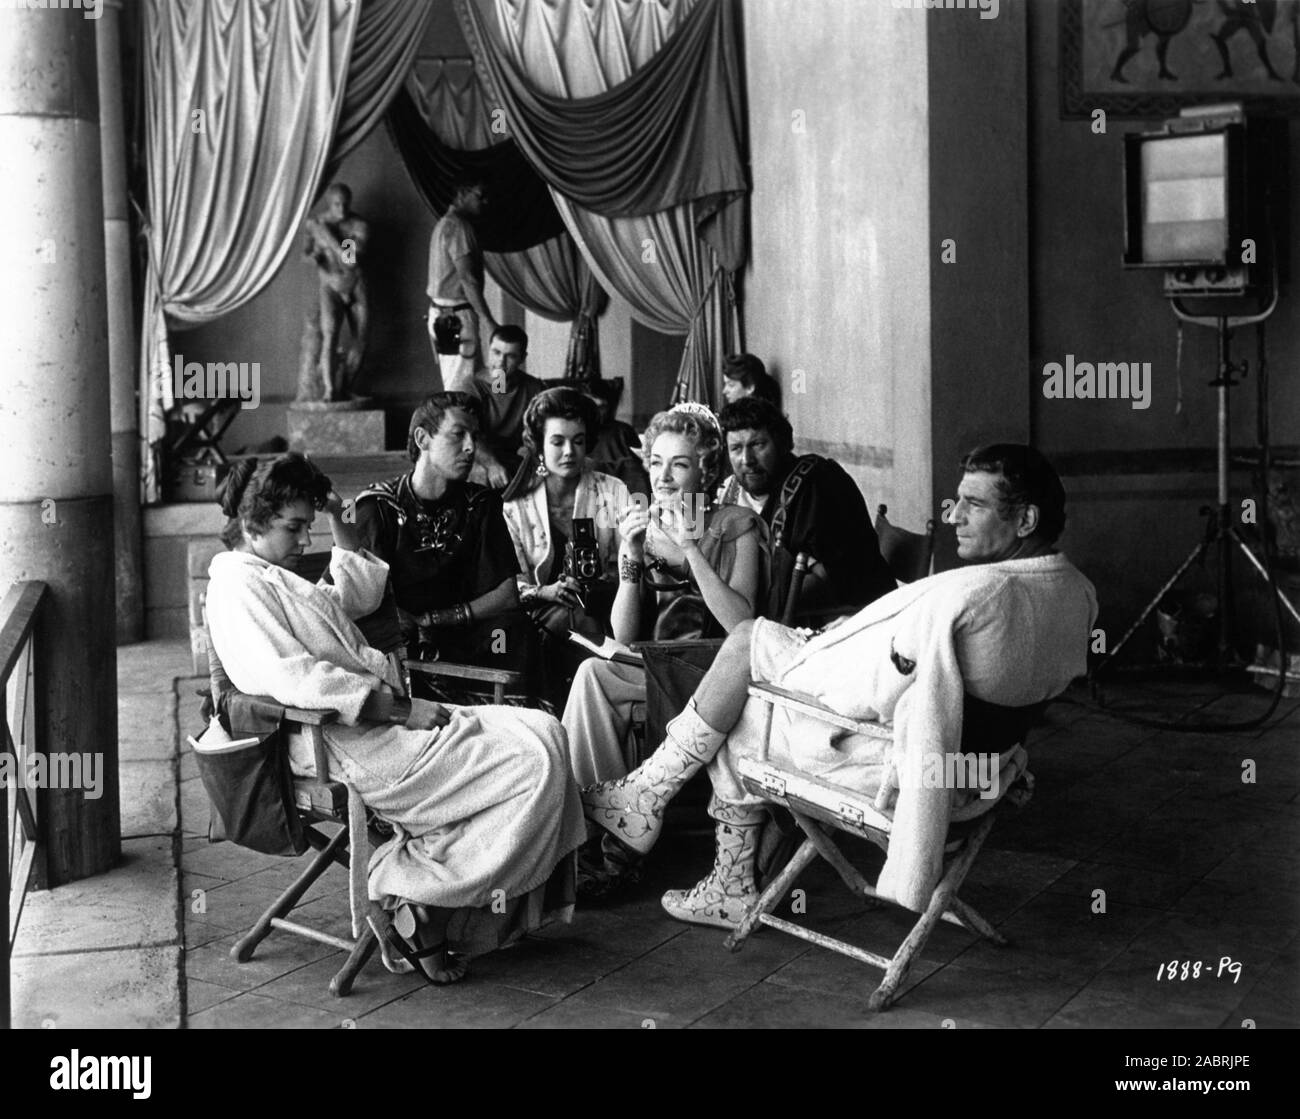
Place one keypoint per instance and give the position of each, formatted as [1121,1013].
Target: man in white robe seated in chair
[1010,628]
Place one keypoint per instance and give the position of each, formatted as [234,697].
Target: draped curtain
[247,102]
[442,126]
[519,215]
[631,113]
[388,36]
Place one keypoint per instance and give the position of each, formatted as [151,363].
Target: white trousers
[597,718]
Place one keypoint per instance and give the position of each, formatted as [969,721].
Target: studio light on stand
[1197,206]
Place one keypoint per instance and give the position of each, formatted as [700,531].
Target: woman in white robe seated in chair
[484,810]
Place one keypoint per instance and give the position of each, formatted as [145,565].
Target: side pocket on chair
[251,790]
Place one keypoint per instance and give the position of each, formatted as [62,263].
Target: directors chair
[820,807]
[317,801]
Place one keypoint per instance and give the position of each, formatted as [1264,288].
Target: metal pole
[1223,542]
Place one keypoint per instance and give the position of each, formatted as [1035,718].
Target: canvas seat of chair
[855,812]
[820,807]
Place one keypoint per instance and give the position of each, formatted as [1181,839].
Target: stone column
[56,503]
[122,349]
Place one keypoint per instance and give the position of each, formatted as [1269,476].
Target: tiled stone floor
[1141,845]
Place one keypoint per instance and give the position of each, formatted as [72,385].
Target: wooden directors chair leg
[940,902]
[818,836]
[364,948]
[242,952]
[977,924]
[770,898]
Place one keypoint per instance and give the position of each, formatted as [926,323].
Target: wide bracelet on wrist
[458,615]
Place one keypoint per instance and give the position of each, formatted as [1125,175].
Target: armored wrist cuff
[458,615]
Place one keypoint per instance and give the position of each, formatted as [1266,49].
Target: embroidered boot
[633,807]
[722,897]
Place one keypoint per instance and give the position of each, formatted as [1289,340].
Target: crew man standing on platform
[458,312]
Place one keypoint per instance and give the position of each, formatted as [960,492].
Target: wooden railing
[20,616]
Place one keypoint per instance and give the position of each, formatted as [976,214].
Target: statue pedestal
[347,427]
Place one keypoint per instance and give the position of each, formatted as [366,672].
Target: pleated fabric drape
[631,112]
[250,107]
[241,102]
[437,144]
[389,34]
[442,126]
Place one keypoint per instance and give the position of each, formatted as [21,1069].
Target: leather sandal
[439,966]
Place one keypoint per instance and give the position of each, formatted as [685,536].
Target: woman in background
[745,375]
[484,810]
[554,491]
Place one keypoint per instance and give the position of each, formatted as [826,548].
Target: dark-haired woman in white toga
[484,810]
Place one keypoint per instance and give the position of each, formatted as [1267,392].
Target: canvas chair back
[908,554]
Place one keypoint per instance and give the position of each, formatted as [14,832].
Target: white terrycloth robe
[482,805]
[1013,633]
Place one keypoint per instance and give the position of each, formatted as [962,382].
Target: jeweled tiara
[691,408]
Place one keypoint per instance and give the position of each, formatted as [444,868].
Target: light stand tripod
[1220,531]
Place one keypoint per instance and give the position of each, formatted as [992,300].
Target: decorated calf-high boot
[723,895]
[633,808]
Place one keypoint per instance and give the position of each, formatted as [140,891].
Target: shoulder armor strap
[793,481]
[386,494]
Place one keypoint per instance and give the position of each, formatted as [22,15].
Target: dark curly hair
[1026,478]
[430,412]
[750,413]
[559,404]
[553,404]
[254,492]
[709,446]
